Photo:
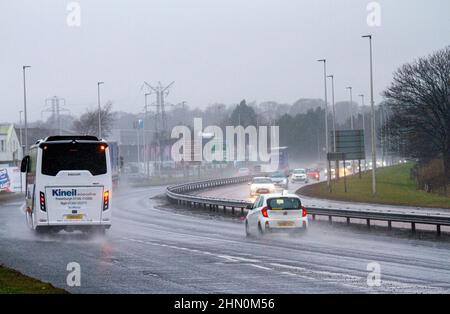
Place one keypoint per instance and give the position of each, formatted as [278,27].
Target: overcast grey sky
[214,50]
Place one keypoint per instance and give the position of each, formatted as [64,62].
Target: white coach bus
[68,184]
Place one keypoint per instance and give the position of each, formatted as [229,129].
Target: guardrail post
[242,211]
[330,219]
[314,216]
[232,210]
[348,220]
[438,230]
[389,224]
[413,227]
[224,209]
[368,223]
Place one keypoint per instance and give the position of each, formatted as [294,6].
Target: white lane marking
[318,272]
[341,279]
[238,259]
[158,227]
[260,267]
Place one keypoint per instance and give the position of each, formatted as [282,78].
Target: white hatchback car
[276,212]
[261,185]
[299,175]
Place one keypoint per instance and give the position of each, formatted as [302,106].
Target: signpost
[349,146]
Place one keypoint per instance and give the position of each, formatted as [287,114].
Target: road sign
[335,156]
[350,143]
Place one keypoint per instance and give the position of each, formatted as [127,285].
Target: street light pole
[20,130]
[21,144]
[372,105]
[363,125]
[326,120]
[334,111]
[145,137]
[352,126]
[99,111]
[25,107]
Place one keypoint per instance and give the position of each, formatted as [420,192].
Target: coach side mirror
[24,164]
[249,206]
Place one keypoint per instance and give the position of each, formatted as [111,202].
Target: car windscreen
[262,180]
[283,203]
[73,156]
[300,171]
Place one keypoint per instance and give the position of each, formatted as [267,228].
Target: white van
[68,184]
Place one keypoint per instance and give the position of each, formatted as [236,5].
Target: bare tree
[88,121]
[419,105]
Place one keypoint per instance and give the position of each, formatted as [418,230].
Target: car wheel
[260,230]
[247,230]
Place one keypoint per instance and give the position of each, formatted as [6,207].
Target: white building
[10,149]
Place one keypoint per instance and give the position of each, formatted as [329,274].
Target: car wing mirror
[25,164]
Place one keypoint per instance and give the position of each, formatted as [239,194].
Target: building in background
[10,148]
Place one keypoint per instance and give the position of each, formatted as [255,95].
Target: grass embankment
[12,282]
[394,187]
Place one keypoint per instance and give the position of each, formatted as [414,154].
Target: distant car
[243,172]
[333,173]
[313,173]
[280,179]
[261,185]
[299,175]
[276,212]
[257,169]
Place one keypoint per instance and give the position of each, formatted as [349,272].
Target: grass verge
[13,282]
[394,187]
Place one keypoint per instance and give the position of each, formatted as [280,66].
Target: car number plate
[285,223]
[74,216]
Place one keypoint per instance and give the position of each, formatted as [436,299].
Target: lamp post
[145,136]
[326,120]
[21,144]
[25,107]
[20,130]
[374,153]
[99,111]
[352,126]
[334,111]
[363,125]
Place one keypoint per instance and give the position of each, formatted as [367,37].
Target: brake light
[102,147]
[264,212]
[105,200]
[304,212]
[42,201]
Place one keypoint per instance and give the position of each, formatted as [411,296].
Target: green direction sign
[350,143]
[335,156]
